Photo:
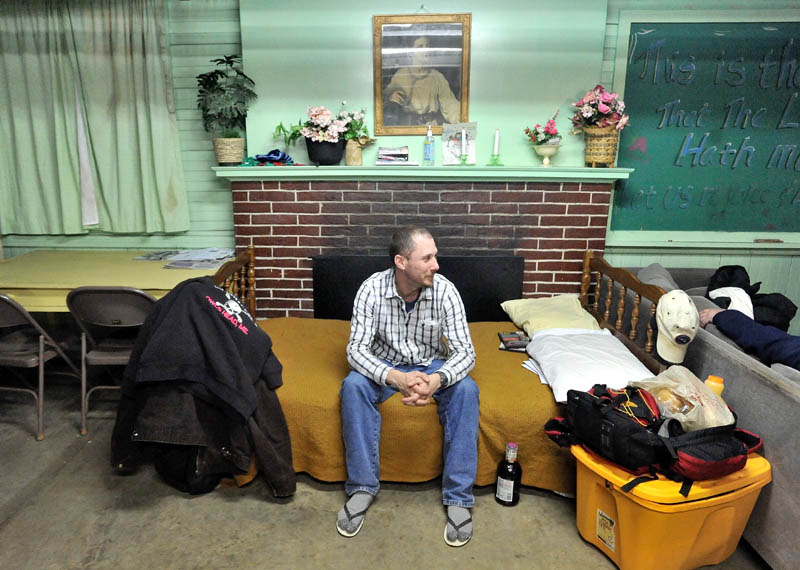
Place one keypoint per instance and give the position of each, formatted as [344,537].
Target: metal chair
[109,319]
[25,344]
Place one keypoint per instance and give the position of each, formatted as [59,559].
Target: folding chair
[109,319]
[25,344]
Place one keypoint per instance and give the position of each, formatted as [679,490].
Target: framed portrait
[421,72]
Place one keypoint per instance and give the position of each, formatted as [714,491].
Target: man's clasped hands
[416,387]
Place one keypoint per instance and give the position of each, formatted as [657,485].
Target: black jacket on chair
[200,386]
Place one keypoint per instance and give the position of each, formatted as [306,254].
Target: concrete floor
[62,508]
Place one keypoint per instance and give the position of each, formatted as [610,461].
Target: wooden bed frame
[514,404]
[238,277]
[614,297]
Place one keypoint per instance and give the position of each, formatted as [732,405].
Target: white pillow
[560,311]
[574,359]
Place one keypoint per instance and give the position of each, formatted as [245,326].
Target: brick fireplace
[550,223]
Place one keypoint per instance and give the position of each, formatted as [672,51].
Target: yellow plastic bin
[653,525]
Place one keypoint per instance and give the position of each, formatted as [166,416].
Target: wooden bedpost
[238,277]
[251,280]
[650,344]
[586,278]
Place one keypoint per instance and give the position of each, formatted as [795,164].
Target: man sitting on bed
[399,318]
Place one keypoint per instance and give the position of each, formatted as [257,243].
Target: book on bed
[516,341]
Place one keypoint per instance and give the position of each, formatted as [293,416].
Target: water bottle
[427,151]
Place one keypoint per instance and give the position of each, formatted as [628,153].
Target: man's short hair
[405,239]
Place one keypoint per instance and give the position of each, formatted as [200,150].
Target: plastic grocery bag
[681,395]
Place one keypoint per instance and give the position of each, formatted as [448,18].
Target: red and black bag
[708,453]
[624,426]
[619,425]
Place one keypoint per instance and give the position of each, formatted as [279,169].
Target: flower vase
[601,146]
[546,151]
[352,153]
[325,153]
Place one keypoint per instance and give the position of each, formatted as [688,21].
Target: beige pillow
[559,312]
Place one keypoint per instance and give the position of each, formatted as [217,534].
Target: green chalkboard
[714,133]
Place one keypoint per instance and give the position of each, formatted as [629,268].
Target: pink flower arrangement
[547,134]
[599,108]
[322,126]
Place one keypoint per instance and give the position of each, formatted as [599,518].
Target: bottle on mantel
[427,148]
[509,477]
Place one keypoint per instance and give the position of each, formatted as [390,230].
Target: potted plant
[326,134]
[356,135]
[546,140]
[223,96]
[600,115]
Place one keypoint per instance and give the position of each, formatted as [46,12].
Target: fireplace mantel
[419,173]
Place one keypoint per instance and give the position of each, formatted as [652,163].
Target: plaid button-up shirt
[381,329]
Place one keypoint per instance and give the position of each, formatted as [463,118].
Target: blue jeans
[361,430]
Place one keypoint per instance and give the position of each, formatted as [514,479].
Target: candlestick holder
[494,161]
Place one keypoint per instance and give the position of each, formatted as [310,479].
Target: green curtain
[115,58]
[39,178]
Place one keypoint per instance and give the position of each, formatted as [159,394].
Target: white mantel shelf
[422,173]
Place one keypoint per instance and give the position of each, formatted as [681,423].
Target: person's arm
[449,106]
[768,343]
[397,90]
[461,358]
[363,329]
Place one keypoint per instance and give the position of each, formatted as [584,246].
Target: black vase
[325,153]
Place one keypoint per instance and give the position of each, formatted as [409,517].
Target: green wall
[528,59]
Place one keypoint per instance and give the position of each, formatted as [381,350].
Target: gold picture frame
[420,72]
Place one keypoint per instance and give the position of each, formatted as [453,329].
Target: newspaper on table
[211,258]
[207,254]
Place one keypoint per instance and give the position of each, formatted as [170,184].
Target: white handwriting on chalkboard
[738,116]
[715,119]
[782,157]
[711,197]
[785,123]
[788,70]
[735,68]
[674,116]
[665,68]
[708,155]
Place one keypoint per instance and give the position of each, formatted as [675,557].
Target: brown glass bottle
[509,477]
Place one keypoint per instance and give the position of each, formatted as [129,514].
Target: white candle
[463,141]
[496,141]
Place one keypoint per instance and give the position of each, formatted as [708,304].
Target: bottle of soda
[509,477]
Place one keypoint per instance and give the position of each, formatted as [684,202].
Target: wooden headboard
[621,302]
[238,277]
[483,281]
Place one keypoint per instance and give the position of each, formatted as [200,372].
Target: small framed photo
[459,140]
[420,72]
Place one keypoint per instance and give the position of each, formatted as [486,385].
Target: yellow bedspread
[514,406]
